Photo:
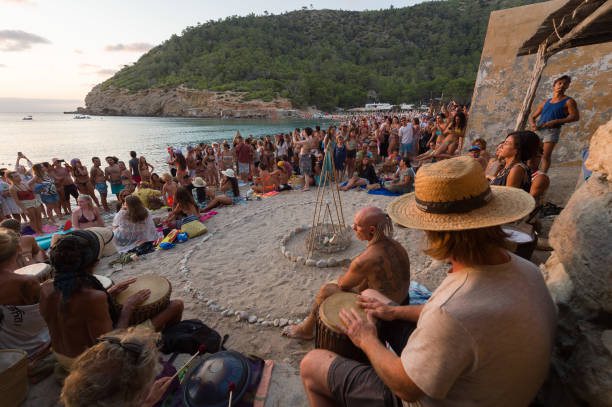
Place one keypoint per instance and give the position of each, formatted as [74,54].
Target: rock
[290,322]
[238,319]
[332,262]
[282,322]
[214,308]
[267,316]
[243,315]
[209,302]
[558,281]
[600,150]
[322,263]
[299,259]
[311,263]
[259,320]
[224,313]
[276,322]
[177,101]
[252,319]
[283,250]
[265,323]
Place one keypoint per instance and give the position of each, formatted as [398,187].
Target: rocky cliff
[178,102]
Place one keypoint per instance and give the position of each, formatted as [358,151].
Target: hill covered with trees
[326,58]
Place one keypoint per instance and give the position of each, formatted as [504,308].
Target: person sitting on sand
[485,336]
[495,164]
[156,182]
[21,326]
[169,190]
[230,190]
[266,181]
[133,225]
[119,370]
[86,215]
[29,252]
[151,198]
[383,266]
[366,175]
[474,152]
[185,209]
[201,194]
[281,177]
[403,180]
[76,306]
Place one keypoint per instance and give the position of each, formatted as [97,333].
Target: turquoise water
[51,135]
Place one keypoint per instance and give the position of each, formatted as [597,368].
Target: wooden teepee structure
[328,223]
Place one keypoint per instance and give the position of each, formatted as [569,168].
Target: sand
[238,266]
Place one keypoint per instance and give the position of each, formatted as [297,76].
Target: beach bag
[188,335]
[194,228]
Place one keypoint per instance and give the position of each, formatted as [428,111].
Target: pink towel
[264,384]
[208,215]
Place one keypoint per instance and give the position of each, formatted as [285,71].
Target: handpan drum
[328,335]
[157,301]
[520,242]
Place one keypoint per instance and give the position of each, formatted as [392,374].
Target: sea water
[50,135]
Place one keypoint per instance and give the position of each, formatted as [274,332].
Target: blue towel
[361,186]
[382,191]
[419,294]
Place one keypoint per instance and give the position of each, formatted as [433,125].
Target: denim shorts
[406,148]
[49,199]
[550,135]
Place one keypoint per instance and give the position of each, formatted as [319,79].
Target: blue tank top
[553,111]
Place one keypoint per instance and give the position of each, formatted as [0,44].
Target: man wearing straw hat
[485,336]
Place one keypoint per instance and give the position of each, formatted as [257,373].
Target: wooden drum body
[40,270]
[327,334]
[520,242]
[157,302]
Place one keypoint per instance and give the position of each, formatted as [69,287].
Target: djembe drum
[520,242]
[42,271]
[157,302]
[328,335]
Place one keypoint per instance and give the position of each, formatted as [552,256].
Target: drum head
[516,235]
[34,269]
[329,312]
[158,285]
[105,281]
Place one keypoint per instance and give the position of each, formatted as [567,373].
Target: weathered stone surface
[600,151]
[322,263]
[558,281]
[180,101]
[282,322]
[311,263]
[582,239]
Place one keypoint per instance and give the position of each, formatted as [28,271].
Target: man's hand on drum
[136,299]
[119,287]
[358,329]
[376,308]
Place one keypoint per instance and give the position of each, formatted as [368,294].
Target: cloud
[18,1]
[78,51]
[87,66]
[3,66]
[133,47]
[106,72]
[17,40]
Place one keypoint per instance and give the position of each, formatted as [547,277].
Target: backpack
[188,335]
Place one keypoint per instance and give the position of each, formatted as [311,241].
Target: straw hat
[454,195]
[198,182]
[229,173]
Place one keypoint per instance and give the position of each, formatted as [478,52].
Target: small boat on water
[29,117]
[79,117]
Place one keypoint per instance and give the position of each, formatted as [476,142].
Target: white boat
[378,106]
[29,117]
[79,117]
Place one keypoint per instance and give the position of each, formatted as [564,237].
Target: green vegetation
[327,58]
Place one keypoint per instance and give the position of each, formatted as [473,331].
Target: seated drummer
[384,266]
[78,309]
[485,336]
[21,326]
[29,252]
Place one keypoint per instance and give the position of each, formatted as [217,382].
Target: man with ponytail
[384,266]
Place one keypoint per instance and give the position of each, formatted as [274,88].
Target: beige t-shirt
[484,338]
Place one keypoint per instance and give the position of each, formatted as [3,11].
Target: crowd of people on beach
[450,348]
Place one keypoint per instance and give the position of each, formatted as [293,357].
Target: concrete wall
[503,79]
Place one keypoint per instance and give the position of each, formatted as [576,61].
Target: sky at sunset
[52,52]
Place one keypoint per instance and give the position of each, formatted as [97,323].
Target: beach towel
[419,294]
[208,215]
[361,186]
[382,191]
[271,193]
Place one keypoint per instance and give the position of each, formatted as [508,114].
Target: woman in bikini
[266,181]
[212,172]
[82,181]
[86,215]
[351,152]
[185,209]
[126,177]
[145,169]
[453,136]
[518,148]
[29,203]
[229,188]
[181,170]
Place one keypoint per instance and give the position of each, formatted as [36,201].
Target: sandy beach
[238,267]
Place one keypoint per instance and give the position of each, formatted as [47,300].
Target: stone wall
[503,79]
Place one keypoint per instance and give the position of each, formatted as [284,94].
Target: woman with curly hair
[119,370]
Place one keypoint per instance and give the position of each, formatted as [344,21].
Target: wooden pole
[536,75]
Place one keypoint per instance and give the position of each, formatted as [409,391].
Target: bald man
[384,266]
